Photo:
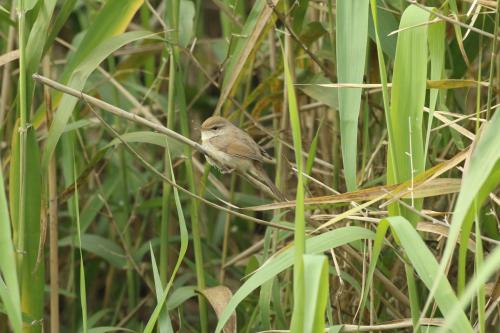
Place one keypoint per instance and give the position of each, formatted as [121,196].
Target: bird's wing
[244,147]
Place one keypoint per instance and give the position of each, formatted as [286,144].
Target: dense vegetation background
[381,117]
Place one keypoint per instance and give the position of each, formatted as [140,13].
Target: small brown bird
[232,149]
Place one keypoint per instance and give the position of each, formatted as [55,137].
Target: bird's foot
[226,170]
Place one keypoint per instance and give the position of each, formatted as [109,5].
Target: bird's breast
[224,159]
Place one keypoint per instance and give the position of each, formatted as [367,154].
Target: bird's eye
[215,128]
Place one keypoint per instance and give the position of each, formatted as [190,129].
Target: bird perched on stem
[232,149]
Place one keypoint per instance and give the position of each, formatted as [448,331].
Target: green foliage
[406,154]
[107,224]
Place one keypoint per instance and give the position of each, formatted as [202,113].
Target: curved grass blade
[164,323]
[184,244]
[285,259]
[427,268]
[488,269]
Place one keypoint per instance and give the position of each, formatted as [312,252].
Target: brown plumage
[233,149]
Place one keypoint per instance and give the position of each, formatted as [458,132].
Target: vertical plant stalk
[297,324]
[83,288]
[281,171]
[53,239]
[478,267]
[492,62]
[227,230]
[166,224]
[177,98]
[52,203]
[22,132]
[195,219]
[383,79]
[478,87]
[167,193]
[132,292]
[335,115]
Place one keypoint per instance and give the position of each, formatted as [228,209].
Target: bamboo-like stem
[336,156]
[53,233]
[22,134]
[227,230]
[177,98]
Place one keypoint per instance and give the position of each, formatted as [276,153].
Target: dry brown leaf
[424,184]
[218,297]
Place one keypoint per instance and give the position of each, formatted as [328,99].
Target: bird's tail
[261,176]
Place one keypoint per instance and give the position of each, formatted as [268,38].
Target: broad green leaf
[352,32]
[317,291]
[285,259]
[405,153]
[31,275]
